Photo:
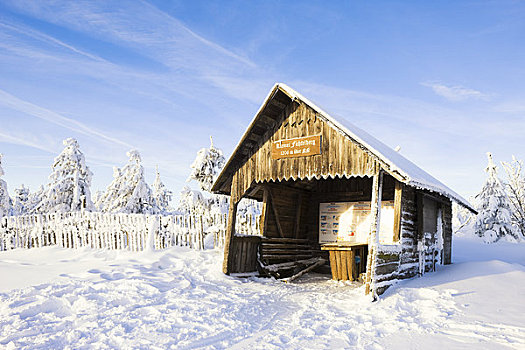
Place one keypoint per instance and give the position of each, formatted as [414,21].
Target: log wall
[401,262]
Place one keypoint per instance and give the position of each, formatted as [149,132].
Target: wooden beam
[276,214]
[282,187]
[267,119]
[298,214]
[257,130]
[320,262]
[264,213]
[277,103]
[230,229]
[398,194]
[435,198]
[373,241]
[253,137]
[254,191]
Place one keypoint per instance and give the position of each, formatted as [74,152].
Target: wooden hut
[330,190]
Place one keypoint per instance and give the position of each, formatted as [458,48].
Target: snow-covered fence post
[3,234]
[201,233]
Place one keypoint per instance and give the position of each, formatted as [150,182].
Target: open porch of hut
[332,196]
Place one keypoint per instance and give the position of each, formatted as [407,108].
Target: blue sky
[444,80]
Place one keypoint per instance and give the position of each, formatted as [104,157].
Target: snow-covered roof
[395,164]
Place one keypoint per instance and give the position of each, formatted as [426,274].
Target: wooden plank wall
[339,154]
[286,204]
[244,254]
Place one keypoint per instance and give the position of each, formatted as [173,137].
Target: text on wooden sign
[297,147]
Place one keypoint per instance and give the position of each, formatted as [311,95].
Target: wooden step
[285,240]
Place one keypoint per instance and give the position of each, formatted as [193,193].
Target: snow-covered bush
[129,192]
[5,202]
[192,202]
[68,187]
[161,194]
[494,215]
[20,201]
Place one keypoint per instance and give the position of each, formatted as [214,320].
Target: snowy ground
[60,298]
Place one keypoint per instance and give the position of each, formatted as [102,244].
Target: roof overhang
[391,161]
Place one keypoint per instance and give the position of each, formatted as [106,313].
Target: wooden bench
[278,250]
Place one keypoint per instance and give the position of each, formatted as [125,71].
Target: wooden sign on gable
[297,147]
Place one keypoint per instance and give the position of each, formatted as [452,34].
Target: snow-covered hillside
[62,298]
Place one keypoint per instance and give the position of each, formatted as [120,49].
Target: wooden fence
[134,232]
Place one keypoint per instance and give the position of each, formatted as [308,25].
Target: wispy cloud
[366,109]
[29,108]
[26,140]
[25,30]
[456,92]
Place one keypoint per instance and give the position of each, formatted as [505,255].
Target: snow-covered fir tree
[5,201]
[515,187]
[161,194]
[68,187]
[105,201]
[129,192]
[494,215]
[207,166]
[20,201]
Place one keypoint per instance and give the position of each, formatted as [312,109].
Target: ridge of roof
[398,165]
[414,175]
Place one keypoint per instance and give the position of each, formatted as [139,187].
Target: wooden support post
[264,212]
[398,194]
[373,242]
[230,228]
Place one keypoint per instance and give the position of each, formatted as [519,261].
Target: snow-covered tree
[462,219]
[5,201]
[161,194]
[20,201]
[515,187]
[68,187]
[218,204]
[207,166]
[34,199]
[192,202]
[494,215]
[97,198]
[129,192]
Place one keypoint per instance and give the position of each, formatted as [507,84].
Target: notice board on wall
[350,222]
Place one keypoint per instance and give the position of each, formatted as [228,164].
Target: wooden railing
[134,232]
